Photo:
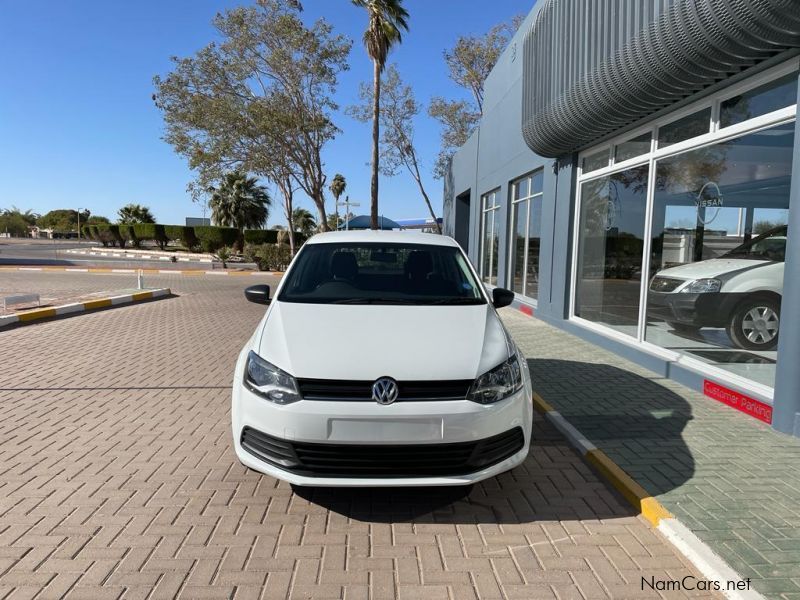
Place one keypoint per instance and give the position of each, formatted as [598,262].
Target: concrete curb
[80,307]
[712,566]
[144,271]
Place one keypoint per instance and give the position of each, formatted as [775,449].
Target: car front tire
[755,324]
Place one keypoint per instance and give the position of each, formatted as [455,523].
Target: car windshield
[375,273]
[768,246]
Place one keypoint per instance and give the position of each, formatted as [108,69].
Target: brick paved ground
[730,478]
[117,479]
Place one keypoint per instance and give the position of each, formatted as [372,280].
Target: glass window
[489,237]
[719,239]
[595,161]
[634,147]
[526,219]
[610,244]
[759,101]
[688,127]
[374,273]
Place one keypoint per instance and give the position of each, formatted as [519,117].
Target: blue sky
[78,127]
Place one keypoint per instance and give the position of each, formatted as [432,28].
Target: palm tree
[240,202]
[134,213]
[303,221]
[386,20]
[337,188]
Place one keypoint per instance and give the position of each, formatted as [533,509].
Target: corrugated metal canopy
[594,66]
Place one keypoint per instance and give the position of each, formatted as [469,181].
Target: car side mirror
[502,297]
[258,294]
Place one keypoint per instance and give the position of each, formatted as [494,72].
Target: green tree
[304,222]
[337,187]
[240,202]
[259,99]
[94,219]
[386,20]
[62,219]
[13,223]
[469,63]
[28,216]
[134,213]
[398,112]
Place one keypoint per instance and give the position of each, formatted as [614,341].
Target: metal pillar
[786,403]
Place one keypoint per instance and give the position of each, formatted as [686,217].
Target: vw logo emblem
[384,390]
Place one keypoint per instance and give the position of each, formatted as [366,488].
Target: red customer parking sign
[746,404]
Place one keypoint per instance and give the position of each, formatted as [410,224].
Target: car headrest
[344,265]
[419,263]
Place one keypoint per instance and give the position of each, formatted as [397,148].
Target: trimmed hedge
[152,232]
[129,235]
[183,233]
[213,238]
[261,236]
[86,232]
[109,234]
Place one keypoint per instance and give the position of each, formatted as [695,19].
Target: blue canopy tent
[364,221]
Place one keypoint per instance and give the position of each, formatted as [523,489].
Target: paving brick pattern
[118,480]
[730,478]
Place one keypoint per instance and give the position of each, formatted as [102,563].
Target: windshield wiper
[374,301]
[456,301]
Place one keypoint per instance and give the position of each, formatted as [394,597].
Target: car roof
[383,237]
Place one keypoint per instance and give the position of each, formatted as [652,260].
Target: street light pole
[347,205]
[79,224]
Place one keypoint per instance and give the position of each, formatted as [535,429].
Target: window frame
[715,135]
[512,203]
[492,210]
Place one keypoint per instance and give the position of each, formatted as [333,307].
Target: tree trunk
[289,211]
[418,178]
[376,112]
[323,216]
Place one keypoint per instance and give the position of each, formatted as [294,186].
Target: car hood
[714,267]
[365,342]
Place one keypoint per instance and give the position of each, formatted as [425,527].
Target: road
[119,481]
[54,252]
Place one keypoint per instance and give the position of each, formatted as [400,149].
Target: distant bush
[268,257]
[109,235]
[151,232]
[183,233]
[261,236]
[213,238]
[86,232]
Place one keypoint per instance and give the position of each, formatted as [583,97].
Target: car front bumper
[368,424]
[698,310]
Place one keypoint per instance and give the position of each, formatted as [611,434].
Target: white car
[381,361]
[740,291]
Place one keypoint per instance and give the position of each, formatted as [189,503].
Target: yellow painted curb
[650,508]
[92,304]
[41,313]
[89,305]
[540,404]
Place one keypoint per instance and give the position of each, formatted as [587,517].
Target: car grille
[382,460]
[334,389]
[664,284]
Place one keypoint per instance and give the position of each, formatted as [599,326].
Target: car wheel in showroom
[755,323]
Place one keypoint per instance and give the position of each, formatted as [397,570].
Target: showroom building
[635,180]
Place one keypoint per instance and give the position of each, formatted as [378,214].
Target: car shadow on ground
[634,419]
[553,484]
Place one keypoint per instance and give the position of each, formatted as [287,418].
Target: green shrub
[183,233]
[129,235]
[213,238]
[152,232]
[268,257]
[86,232]
[261,236]
[109,234]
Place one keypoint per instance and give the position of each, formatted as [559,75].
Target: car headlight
[702,286]
[269,382]
[498,383]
